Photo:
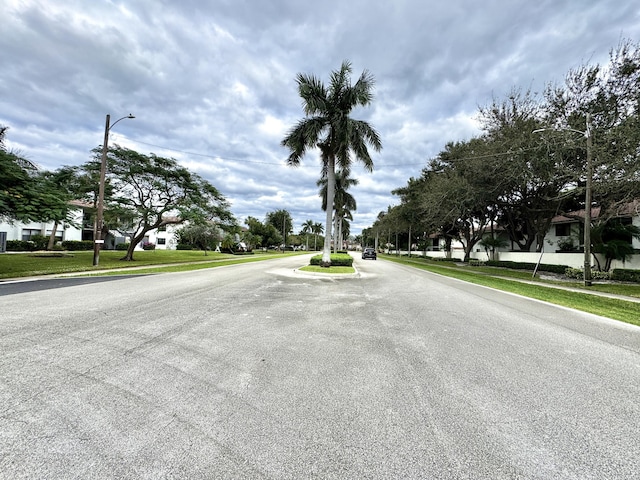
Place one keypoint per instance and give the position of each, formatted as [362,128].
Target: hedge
[579,274]
[624,275]
[76,245]
[543,267]
[337,260]
[20,246]
[444,259]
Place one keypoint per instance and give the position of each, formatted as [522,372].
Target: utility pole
[97,239]
[587,206]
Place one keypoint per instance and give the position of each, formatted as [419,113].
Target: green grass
[25,264]
[319,269]
[622,310]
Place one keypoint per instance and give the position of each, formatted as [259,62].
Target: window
[59,233]
[27,233]
[161,241]
[563,230]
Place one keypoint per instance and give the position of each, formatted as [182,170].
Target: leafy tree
[613,240]
[610,95]
[151,192]
[204,236]
[328,126]
[262,234]
[459,192]
[66,183]
[531,177]
[24,195]
[282,222]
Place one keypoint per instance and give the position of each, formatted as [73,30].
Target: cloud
[212,84]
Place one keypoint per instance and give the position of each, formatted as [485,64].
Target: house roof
[630,209]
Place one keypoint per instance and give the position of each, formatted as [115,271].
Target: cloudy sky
[212,82]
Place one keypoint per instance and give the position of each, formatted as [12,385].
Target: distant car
[369,253]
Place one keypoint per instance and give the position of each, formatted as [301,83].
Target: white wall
[69,232]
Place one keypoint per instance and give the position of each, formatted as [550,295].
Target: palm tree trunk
[331,186]
[335,232]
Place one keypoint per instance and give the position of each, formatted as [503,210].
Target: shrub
[123,246]
[77,245]
[148,246]
[20,246]
[543,267]
[473,262]
[579,274]
[444,259]
[184,246]
[40,241]
[624,275]
[337,260]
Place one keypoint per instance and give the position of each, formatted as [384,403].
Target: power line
[423,163]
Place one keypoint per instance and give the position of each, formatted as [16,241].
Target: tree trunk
[335,232]
[52,237]
[331,183]
[134,241]
[409,245]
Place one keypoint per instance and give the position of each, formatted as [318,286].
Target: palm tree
[343,202]
[328,126]
[307,227]
[318,229]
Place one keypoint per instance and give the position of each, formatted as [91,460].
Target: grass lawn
[319,269]
[493,277]
[13,265]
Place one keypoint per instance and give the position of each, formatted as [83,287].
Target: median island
[341,263]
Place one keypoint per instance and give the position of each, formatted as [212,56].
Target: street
[260,371]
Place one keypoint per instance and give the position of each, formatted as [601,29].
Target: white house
[82,229]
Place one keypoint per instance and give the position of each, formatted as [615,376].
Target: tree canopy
[149,192]
[528,164]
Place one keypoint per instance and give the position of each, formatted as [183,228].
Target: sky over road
[212,83]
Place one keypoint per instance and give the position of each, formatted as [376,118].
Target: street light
[587,197]
[98,241]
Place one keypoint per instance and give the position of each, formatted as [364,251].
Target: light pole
[98,241]
[587,196]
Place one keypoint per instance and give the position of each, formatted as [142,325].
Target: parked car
[369,253]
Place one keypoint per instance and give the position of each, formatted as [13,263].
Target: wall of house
[574,260]
[65,231]
[165,239]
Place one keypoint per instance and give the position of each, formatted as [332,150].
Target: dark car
[369,253]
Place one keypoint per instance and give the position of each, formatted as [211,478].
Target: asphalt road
[257,371]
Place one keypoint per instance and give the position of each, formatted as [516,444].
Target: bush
[579,274]
[20,246]
[543,267]
[624,275]
[40,241]
[184,246]
[77,245]
[444,259]
[123,246]
[337,260]
[148,246]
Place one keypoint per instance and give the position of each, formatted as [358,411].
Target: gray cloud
[212,84]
